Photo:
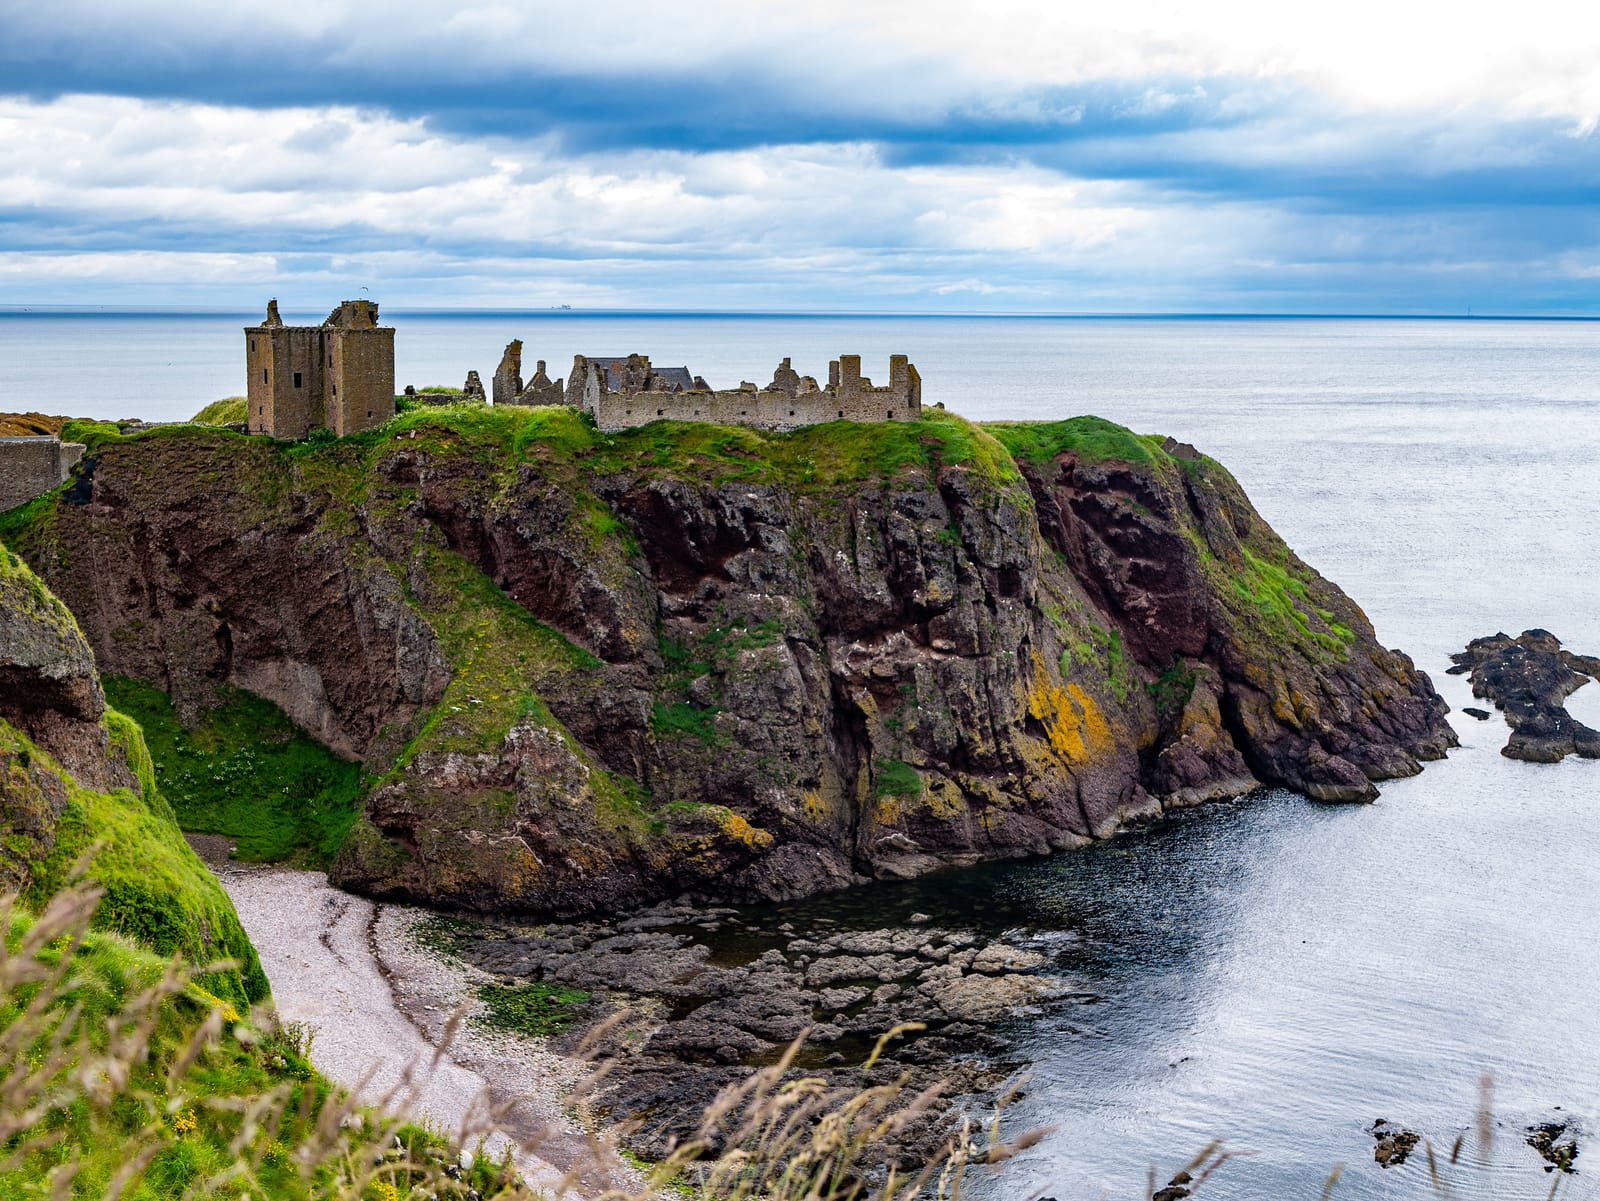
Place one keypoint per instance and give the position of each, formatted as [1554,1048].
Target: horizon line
[113,310]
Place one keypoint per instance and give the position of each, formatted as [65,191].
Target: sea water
[1274,972]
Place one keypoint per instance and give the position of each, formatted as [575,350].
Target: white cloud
[1541,57]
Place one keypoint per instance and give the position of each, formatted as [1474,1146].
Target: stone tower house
[338,375]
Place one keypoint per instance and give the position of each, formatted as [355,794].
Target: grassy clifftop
[817,456]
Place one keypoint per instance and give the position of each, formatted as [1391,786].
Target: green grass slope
[222,412]
[157,892]
[248,772]
[124,1078]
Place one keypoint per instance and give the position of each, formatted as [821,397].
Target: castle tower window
[891,415]
[296,379]
[263,375]
[841,414]
[252,345]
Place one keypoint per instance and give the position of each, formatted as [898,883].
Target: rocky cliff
[593,670]
[76,786]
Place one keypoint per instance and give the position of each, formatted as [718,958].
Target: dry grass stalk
[79,1052]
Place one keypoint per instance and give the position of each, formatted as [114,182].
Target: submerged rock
[1529,678]
[1555,1145]
[1394,1143]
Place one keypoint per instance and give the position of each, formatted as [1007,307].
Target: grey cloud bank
[794,161]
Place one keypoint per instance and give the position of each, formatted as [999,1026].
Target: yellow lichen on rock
[1077,730]
[942,797]
[741,831]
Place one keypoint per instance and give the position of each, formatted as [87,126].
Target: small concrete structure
[30,467]
[337,376]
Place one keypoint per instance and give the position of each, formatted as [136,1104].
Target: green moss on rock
[157,892]
[1092,439]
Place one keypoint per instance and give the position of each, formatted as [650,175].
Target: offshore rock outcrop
[596,671]
[1529,678]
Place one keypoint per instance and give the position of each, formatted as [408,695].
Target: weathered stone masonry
[338,376]
[621,393]
[30,467]
[509,388]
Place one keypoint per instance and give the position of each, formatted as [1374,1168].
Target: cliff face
[76,778]
[595,670]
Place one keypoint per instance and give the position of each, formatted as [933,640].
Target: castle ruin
[338,375]
[509,388]
[624,392]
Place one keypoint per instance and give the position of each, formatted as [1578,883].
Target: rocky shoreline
[699,997]
[672,1005]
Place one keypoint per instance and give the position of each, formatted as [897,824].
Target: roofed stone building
[338,375]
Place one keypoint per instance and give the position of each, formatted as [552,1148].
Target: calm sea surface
[1274,972]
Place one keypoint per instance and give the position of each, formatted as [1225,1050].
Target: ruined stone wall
[737,406]
[860,400]
[360,378]
[30,467]
[507,382]
[788,403]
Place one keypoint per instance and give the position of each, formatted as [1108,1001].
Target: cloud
[823,154]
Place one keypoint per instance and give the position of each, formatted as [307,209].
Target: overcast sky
[812,154]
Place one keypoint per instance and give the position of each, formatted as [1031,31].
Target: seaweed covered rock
[590,671]
[1529,678]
